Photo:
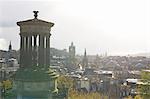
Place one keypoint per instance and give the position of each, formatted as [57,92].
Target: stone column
[21,50]
[47,50]
[41,50]
[26,59]
[34,50]
[30,50]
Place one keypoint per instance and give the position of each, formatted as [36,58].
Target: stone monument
[34,79]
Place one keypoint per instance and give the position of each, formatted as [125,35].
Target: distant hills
[141,54]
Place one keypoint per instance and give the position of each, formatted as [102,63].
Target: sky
[118,27]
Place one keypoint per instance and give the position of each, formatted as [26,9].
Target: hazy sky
[119,27]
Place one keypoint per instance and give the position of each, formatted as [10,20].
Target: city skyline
[117,27]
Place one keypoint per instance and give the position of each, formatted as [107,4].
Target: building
[34,79]
[85,60]
[72,51]
[83,84]
[71,61]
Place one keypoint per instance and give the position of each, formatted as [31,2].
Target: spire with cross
[10,46]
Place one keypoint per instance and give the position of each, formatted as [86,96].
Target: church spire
[85,53]
[85,60]
[10,46]
[71,43]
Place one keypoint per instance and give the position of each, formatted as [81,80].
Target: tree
[74,94]
[129,97]
[144,88]
[65,82]
[7,84]
[138,97]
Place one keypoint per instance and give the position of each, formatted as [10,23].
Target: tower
[34,79]
[85,60]
[72,51]
[10,52]
[10,46]
[71,59]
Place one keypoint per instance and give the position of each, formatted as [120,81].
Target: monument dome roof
[35,22]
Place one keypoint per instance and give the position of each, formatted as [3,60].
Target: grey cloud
[7,24]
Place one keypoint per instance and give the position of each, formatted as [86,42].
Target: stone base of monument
[34,83]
